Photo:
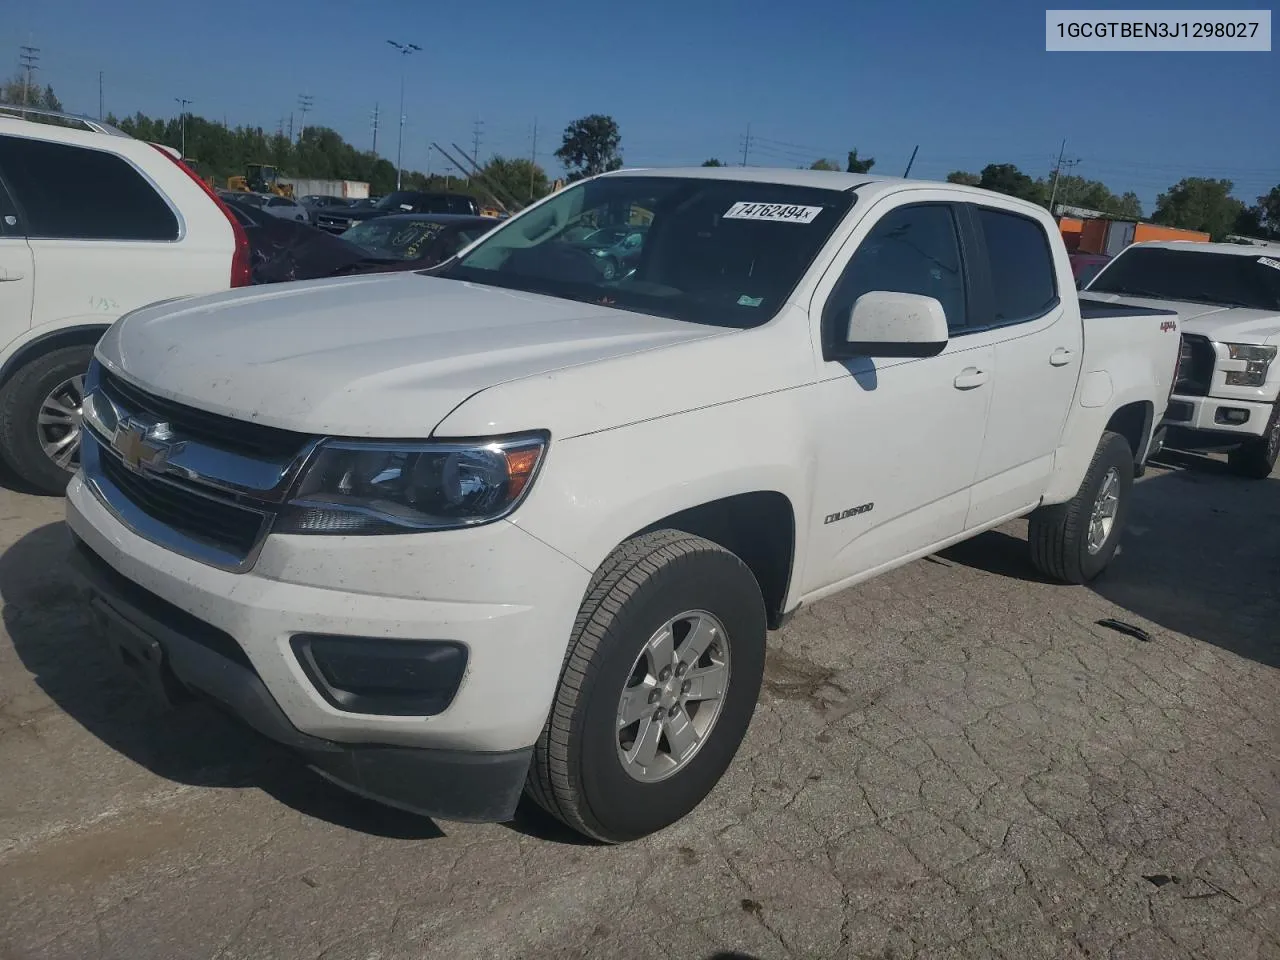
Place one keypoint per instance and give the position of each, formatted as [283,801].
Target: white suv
[93,224]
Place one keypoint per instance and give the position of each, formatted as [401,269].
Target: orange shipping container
[1153,231]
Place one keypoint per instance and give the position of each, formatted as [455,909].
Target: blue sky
[969,82]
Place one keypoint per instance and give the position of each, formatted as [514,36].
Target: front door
[16,274]
[901,437]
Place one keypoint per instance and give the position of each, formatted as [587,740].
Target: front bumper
[1210,415]
[467,762]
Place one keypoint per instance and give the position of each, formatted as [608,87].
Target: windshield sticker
[781,212]
[1268,262]
[745,301]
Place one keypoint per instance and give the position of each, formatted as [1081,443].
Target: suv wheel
[657,690]
[1074,541]
[1256,459]
[40,418]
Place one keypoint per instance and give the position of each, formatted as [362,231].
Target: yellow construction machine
[260,178]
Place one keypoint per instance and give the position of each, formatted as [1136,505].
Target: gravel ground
[954,760]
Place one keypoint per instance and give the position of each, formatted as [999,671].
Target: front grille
[216,522]
[238,436]
[1195,366]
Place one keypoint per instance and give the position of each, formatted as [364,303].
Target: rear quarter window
[76,193]
[1023,282]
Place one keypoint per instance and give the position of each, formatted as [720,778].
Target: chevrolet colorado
[1227,298]
[507,525]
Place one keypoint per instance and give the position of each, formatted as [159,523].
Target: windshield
[393,238]
[1227,279]
[722,252]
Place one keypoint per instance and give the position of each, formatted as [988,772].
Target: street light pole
[404,49]
[184,103]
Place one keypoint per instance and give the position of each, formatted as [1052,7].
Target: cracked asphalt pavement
[953,760]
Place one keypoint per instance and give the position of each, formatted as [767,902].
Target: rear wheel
[1074,541]
[40,409]
[1256,459]
[657,690]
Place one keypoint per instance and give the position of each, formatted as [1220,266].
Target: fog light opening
[377,675]
[1231,415]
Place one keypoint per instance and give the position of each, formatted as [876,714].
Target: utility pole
[375,129]
[291,126]
[911,161]
[475,141]
[533,157]
[100,111]
[304,105]
[746,145]
[183,102]
[1057,169]
[404,49]
[30,57]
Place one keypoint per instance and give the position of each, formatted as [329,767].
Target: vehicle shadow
[47,618]
[1200,556]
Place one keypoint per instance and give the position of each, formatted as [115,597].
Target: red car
[1085,266]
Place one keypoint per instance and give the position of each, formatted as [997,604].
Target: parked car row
[515,519]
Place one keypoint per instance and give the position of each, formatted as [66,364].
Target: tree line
[593,144]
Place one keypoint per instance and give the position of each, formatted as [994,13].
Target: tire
[579,774]
[21,400]
[1255,459]
[1059,535]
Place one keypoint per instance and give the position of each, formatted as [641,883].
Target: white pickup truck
[1227,298]
[509,525]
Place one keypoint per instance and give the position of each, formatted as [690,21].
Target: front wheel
[1255,459]
[657,690]
[1074,541]
[40,410]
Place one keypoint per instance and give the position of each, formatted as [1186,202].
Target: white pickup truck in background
[511,525]
[1227,298]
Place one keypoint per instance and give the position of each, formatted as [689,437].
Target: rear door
[17,276]
[104,238]
[1038,343]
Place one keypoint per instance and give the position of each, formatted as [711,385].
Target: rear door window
[75,193]
[1023,282]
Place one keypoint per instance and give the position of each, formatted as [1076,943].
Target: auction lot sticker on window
[1192,31]
[784,212]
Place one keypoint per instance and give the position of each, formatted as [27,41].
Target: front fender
[595,491]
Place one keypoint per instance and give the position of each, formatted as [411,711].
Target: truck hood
[382,356]
[1223,324]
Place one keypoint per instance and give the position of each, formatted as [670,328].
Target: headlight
[1256,362]
[355,487]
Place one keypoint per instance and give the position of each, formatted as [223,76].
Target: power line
[375,129]
[746,145]
[475,141]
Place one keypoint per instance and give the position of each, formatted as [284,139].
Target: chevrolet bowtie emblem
[141,445]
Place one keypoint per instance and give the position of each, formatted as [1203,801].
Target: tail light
[241,264]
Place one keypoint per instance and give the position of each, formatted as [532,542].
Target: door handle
[1060,357]
[970,377]
[6,277]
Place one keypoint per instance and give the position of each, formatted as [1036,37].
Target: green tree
[824,164]
[713,162]
[857,165]
[1268,211]
[1198,203]
[15,91]
[515,179]
[1008,179]
[962,177]
[590,146]
[1094,195]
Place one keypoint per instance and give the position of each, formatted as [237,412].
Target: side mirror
[888,324]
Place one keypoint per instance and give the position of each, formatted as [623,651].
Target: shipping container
[307,187]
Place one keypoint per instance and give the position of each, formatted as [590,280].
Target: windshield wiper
[1218,301]
[1132,292]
